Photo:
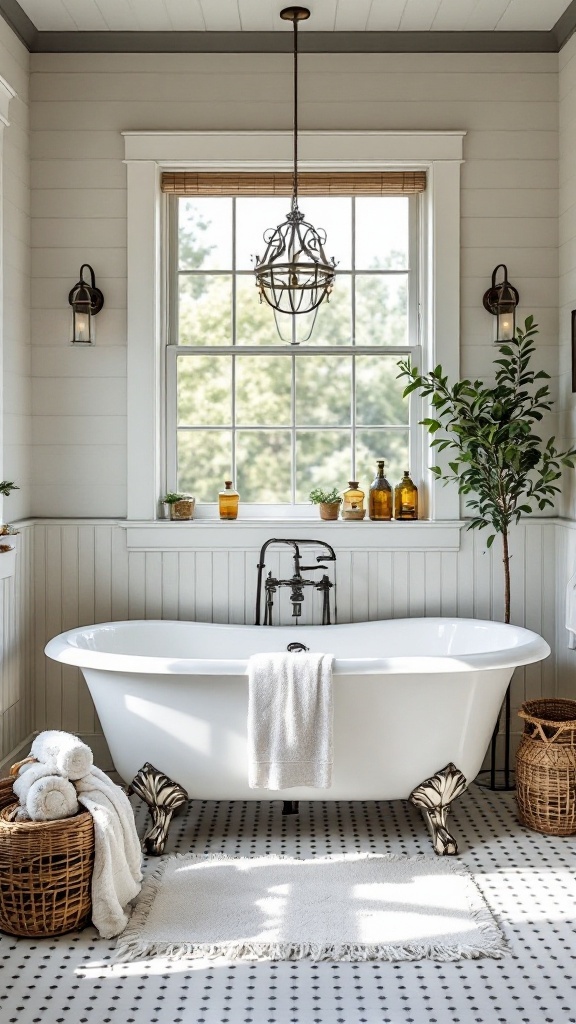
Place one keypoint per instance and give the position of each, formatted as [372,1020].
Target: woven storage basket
[546,766]
[45,871]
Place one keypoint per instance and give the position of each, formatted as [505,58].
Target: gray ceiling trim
[19,22]
[281,42]
[565,26]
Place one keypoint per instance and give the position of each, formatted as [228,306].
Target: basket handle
[538,732]
[17,766]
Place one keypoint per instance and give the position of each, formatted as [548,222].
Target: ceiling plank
[351,17]
[52,16]
[453,15]
[86,15]
[385,15]
[223,16]
[418,15]
[486,15]
[117,14]
[531,15]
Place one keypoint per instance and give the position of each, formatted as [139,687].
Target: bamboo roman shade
[245,183]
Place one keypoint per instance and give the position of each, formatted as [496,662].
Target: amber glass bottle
[228,500]
[353,502]
[406,499]
[380,496]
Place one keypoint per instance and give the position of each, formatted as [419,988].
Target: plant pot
[329,510]
[183,509]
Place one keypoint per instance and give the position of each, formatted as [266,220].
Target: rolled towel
[28,774]
[51,798]
[64,753]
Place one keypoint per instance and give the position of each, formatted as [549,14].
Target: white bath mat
[347,907]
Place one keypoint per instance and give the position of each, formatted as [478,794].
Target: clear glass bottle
[353,502]
[380,496]
[406,499]
[228,500]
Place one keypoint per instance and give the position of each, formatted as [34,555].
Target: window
[149,156]
[280,419]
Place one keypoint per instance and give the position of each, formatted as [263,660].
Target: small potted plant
[328,501]
[181,505]
[7,532]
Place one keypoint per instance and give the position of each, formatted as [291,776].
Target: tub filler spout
[297,582]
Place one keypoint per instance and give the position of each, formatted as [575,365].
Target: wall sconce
[501,300]
[86,300]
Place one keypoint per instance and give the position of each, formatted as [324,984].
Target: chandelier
[294,275]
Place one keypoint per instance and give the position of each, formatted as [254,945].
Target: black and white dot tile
[528,879]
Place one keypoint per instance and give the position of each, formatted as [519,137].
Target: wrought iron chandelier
[294,275]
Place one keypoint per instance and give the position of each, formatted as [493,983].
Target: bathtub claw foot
[290,807]
[434,797]
[164,797]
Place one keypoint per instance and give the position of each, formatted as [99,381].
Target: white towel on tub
[290,720]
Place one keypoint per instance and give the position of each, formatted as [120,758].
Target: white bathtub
[410,695]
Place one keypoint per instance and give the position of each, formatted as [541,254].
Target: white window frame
[147,154]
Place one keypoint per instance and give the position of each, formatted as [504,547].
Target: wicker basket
[45,871]
[546,767]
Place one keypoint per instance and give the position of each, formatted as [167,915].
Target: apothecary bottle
[380,496]
[228,500]
[406,499]
[353,502]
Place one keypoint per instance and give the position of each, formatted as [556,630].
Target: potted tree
[498,463]
[7,533]
[328,501]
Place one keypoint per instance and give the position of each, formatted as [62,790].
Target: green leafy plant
[503,468]
[173,497]
[6,486]
[319,497]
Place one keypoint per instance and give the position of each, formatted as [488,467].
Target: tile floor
[528,880]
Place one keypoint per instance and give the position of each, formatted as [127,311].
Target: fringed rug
[347,907]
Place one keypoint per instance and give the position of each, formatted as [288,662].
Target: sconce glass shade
[501,300]
[86,300]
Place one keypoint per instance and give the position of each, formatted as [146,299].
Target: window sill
[242,534]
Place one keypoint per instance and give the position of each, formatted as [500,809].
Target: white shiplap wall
[17,649]
[566,544]
[16,594]
[82,570]
[84,574]
[506,102]
[16,357]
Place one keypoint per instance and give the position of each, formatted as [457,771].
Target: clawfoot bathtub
[415,701]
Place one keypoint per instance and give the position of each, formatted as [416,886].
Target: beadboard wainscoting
[566,568]
[17,649]
[84,573]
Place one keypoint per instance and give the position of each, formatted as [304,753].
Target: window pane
[381,309]
[253,218]
[323,390]
[204,391]
[263,391]
[254,319]
[390,445]
[205,233]
[323,459]
[334,318]
[264,462]
[204,461]
[205,310]
[382,233]
[378,392]
[333,215]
